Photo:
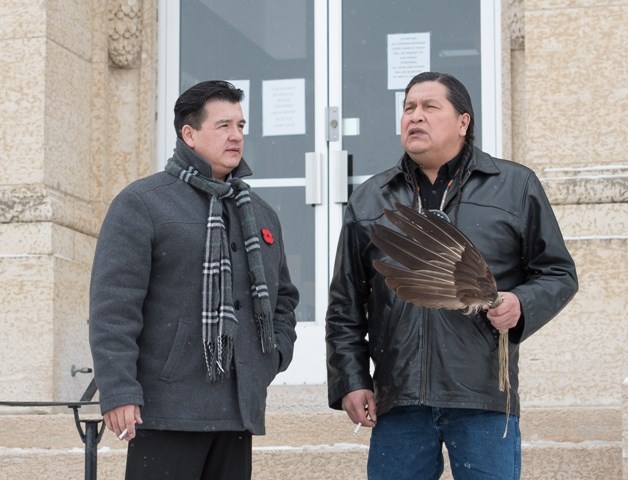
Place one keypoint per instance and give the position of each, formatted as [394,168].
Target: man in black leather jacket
[435,379]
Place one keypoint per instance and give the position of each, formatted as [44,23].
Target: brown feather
[406,251]
[440,267]
[397,277]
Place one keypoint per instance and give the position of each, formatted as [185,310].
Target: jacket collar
[480,162]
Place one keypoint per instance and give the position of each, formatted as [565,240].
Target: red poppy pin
[267,235]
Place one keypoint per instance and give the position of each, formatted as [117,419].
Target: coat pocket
[176,352]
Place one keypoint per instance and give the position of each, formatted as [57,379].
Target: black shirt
[432,194]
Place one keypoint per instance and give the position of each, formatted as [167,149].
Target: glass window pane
[256,41]
[454,28]
[296,218]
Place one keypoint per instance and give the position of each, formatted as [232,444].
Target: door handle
[313,178]
[339,176]
[332,120]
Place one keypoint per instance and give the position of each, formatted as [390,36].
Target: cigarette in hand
[123,434]
[357,428]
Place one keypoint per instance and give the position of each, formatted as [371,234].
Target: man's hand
[121,418]
[507,314]
[361,408]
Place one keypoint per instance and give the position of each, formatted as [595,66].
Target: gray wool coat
[146,302]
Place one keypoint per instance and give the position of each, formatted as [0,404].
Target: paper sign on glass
[283,104]
[399,98]
[408,55]
[245,86]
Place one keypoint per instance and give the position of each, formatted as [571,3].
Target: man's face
[432,131]
[220,139]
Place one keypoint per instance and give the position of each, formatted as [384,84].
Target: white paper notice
[245,86]
[408,55]
[283,107]
[399,98]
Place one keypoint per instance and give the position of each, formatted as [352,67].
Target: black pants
[158,454]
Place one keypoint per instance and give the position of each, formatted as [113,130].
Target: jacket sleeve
[346,321]
[284,320]
[119,282]
[551,273]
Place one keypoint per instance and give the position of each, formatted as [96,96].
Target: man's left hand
[507,314]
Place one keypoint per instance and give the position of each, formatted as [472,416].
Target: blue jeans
[407,444]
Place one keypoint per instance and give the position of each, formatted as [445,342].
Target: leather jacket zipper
[424,345]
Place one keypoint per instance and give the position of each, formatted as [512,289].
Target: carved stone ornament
[125,32]
[517,25]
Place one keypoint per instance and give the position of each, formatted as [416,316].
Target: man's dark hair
[189,107]
[459,97]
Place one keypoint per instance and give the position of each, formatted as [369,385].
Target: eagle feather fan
[440,268]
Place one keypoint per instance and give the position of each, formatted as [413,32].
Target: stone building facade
[77,123]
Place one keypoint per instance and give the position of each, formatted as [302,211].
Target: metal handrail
[90,436]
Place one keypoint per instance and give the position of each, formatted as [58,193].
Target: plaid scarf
[220,325]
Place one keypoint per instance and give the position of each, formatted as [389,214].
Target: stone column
[516,44]
[576,103]
[76,126]
[574,112]
[625,427]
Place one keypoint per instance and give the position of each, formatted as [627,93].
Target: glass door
[376,48]
[274,50]
[324,81]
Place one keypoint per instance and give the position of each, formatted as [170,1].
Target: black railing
[90,436]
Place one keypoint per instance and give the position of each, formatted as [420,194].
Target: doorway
[323,83]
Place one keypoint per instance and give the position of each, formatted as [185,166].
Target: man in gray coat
[191,302]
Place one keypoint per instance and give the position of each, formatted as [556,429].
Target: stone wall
[77,105]
[576,97]
[571,79]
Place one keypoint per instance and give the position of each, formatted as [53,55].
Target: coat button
[236,304]
[234,247]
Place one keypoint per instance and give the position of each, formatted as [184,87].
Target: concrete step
[307,440]
[332,462]
[57,464]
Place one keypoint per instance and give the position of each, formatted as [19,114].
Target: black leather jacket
[433,357]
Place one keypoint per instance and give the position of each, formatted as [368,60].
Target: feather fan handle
[504,374]
[440,268]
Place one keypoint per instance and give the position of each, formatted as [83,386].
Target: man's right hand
[361,408]
[121,418]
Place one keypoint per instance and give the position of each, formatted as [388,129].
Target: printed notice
[245,86]
[283,104]
[408,55]
[399,98]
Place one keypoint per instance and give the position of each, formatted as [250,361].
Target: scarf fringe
[264,324]
[218,357]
